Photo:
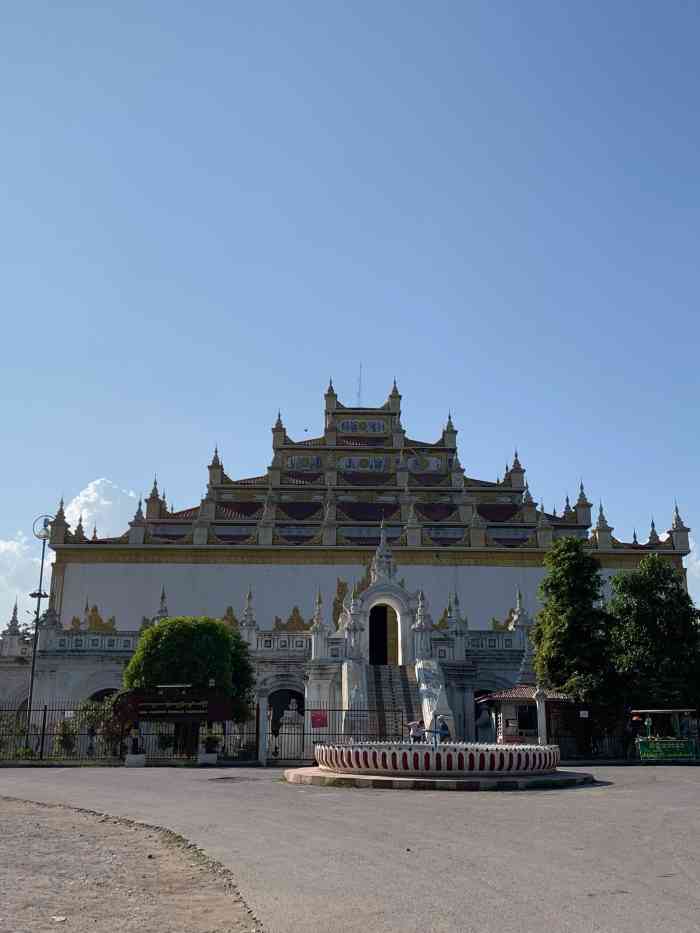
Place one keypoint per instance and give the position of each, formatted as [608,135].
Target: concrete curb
[323,778]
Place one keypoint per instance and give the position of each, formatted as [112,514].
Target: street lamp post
[41,529]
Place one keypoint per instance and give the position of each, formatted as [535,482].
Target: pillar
[469,722]
[262,729]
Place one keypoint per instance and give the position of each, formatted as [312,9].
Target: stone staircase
[392,695]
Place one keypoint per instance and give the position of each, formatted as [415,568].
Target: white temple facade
[359,549]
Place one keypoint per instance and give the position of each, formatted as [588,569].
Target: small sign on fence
[319,719]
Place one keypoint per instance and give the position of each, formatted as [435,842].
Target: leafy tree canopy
[193,651]
[570,635]
[656,636]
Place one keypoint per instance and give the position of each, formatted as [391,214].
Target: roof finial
[13,624]
[602,523]
[94,533]
[653,536]
[215,462]
[634,537]
[677,524]
[60,515]
[278,423]
[516,461]
[330,390]
[154,491]
[449,426]
[527,497]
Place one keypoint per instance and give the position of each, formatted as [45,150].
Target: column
[262,729]
[469,722]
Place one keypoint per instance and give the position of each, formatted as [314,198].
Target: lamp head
[42,527]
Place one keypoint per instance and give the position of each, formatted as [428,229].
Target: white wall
[131,591]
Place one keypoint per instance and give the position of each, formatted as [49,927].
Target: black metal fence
[163,741]
[88,732]
[293,739]
[60,733]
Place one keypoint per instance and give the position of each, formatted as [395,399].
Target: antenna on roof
[359,389]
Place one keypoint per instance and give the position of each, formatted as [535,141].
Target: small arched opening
[383,635]
[278,702]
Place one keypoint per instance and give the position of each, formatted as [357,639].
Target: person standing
[416,731]
[443,729]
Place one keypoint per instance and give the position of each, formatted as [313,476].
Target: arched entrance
[278,702]
[383,635]
[286,725]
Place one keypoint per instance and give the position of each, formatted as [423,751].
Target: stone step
[393,695]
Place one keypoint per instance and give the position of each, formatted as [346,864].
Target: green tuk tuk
[670,734]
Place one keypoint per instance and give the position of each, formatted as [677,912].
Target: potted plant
[211,746]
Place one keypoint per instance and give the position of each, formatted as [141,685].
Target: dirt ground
[64,870]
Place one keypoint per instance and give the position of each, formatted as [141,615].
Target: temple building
[360,550]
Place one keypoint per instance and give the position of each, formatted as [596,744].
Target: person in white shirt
[416,731]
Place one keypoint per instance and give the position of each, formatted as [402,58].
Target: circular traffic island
[448,766]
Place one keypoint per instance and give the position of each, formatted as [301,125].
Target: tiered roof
[334,490]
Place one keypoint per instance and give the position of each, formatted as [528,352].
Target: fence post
[43,734]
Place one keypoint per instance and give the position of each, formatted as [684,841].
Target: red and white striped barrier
[449,758]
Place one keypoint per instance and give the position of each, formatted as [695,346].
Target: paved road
[620,858]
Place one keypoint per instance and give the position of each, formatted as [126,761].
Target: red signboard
[319,718]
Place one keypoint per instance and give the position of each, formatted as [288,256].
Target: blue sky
[209,211]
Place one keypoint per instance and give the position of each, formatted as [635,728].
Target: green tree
[572,651]
[656,637]
[193,651]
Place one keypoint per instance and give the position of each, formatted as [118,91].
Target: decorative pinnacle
[653,536]
[527,498]
[138,515]
[330,390]
[516,462]
[634,537]
[449,426]
[94,533]
[518,599]
[602,523]
[394,388]
[677,524]
[60,515]
[215,462]
[13,624]
[154,491]
[582,500]
[278,423]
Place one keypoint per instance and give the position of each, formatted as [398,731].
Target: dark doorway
[278,702]
[378,635]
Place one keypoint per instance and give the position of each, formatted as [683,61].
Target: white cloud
[692,564]
[104,504]
[19,575]
[101,503]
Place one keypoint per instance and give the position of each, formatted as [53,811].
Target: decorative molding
[296,555]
